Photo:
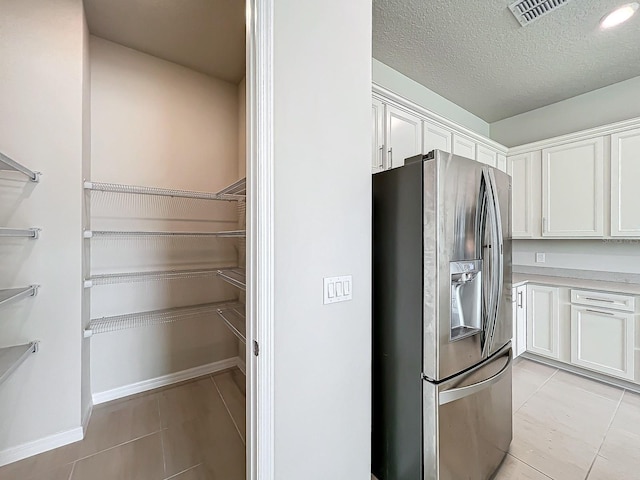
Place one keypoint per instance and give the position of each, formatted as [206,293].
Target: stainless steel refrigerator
[442,319]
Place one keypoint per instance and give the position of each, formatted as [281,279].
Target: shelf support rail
[20,232]
[7,163]
[13,294]
[12,357]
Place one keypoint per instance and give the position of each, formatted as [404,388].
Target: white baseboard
[163,381]
[85,420]
[241,365]
[41,445]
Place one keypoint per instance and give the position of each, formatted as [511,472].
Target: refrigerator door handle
[454,394]
[497,257]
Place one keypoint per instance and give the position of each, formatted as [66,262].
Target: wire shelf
[12,294]
[147,319]
[238,188]
[236,191]
[133,277]
[234,317]
[7,163]
[12,357]
[117,233]
[19,232]
[235,276]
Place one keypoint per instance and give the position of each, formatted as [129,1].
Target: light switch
[337,289]
[540,258]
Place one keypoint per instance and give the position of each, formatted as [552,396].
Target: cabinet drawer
[601,299]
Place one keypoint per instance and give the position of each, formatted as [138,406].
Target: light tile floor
[191,431]
[567,427]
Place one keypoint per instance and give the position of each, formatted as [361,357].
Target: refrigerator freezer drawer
[467,421]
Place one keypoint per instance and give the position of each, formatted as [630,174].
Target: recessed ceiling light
[619,15]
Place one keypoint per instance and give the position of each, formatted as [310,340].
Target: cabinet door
[520,320]
[435,137]
[502,162]
[464,146]
[625,181]
[543,327]
[573,190]
[602,340]
[403,136]
[487,156]
[520,167]
[377,136]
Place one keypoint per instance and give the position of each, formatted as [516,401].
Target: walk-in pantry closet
[158,336]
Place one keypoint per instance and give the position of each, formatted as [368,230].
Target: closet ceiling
[205,35]
[477,55]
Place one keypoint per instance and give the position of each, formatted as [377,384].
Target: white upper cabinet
[502,162]
[487,156]
[403,136]
[464,146]
[625,184]
[524,195]
[377,136]
[573,189]
[435,137]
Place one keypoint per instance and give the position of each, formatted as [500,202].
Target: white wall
[41,93]
[159,124]
[410,89]
[620,256]
[322,204]
[614,103]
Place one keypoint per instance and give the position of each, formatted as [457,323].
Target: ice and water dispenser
[466,298]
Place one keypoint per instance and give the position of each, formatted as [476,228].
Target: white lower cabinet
[543,322]
[519,342]
[603,340]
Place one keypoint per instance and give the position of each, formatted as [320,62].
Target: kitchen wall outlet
[540,258]
[338,289]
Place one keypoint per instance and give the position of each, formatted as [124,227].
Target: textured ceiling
[476,54]
[204,35]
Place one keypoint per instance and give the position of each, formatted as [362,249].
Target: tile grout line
[228,410]
[73,467]
[164,458]
[530,466]
[605,435]
[183,471]
[537,390]
[118,445]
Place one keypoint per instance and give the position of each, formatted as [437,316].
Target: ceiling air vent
[527,11]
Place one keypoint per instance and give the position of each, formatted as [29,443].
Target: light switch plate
[338,289]
[540,258]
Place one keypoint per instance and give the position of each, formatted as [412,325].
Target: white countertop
[614,287]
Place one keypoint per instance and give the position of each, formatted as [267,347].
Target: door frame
[260,240]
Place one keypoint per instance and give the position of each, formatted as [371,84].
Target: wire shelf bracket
[12,357]
[7,163]
[111,233]
[147,319]
[235,191]
[19,232]
[13,294]
[235,319]
[235,276]
[133,277]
